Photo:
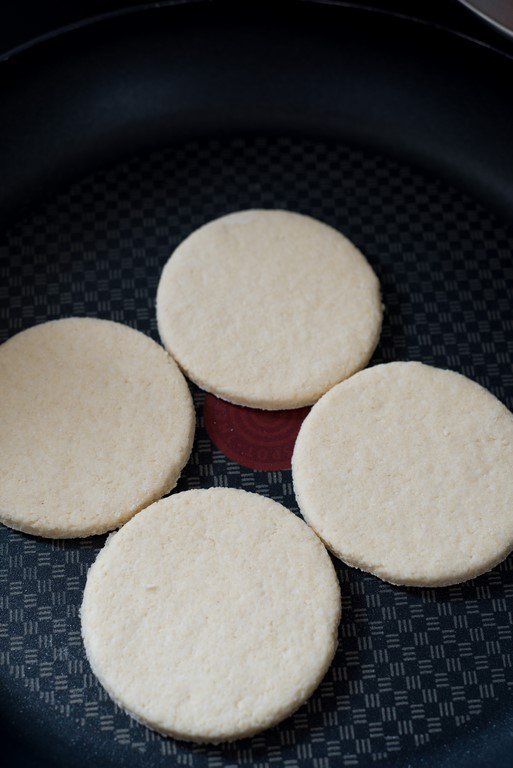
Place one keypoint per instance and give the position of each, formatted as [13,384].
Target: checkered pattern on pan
[412,665]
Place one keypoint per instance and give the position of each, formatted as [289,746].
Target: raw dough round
[268,309]
[406,471]
[211,615]
[96,422]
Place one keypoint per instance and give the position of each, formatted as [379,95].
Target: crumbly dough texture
[96,423]
[406,471]
[211,615]
[268,308]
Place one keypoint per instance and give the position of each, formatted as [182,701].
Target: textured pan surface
[418,672]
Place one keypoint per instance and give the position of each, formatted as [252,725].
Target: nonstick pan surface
[123,136]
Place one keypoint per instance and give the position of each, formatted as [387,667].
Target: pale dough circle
[268,308]
[406,471]
[96,422]
[211,615]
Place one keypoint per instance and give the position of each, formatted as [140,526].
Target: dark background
[23,20]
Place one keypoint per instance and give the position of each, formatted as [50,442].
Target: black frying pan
[117,139]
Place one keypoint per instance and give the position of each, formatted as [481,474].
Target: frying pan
[120,136]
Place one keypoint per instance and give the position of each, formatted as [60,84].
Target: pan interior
[415,668]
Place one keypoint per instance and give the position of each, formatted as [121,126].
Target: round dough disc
[211,615]
[406,471]
[268,309]
[96,423]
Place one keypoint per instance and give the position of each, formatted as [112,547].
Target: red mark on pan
[256,439]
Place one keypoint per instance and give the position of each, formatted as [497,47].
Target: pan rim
[364,9]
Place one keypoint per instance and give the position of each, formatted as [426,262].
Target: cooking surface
[414,667]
